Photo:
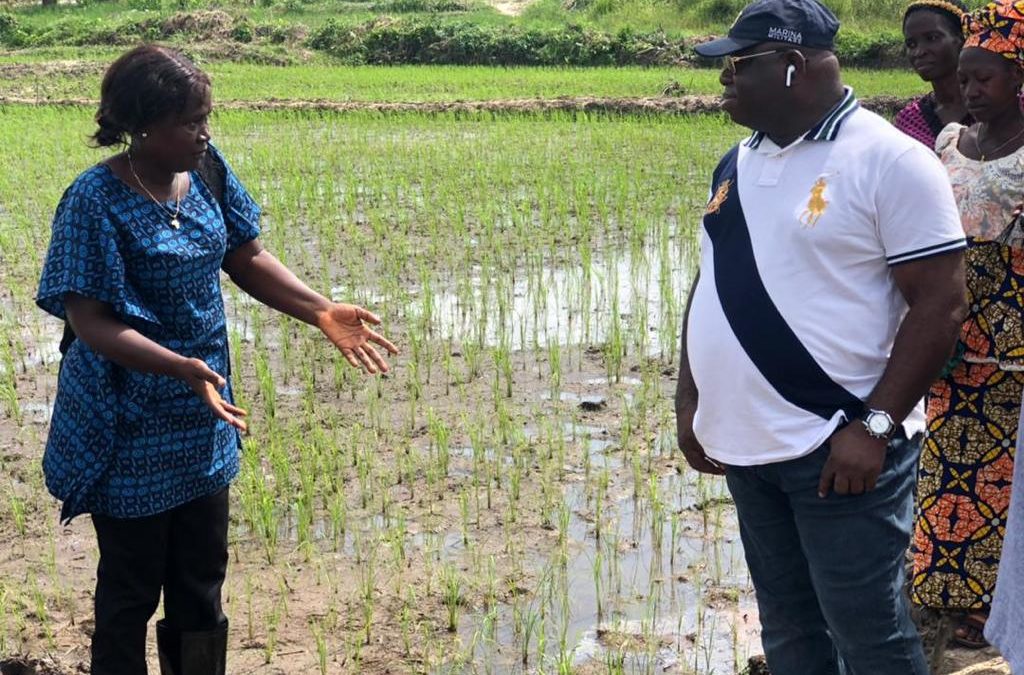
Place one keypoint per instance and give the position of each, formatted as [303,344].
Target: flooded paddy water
[510,499]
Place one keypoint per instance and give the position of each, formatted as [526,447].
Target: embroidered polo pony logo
[721,194]
[816,205]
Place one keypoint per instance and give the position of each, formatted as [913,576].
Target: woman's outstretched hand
[206,383]
[346,327]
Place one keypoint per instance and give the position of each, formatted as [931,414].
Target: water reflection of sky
[685,606]
[571,305]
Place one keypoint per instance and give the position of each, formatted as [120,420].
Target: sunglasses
[731,61]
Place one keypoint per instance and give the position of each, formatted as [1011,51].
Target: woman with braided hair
[967,461]
[933,38]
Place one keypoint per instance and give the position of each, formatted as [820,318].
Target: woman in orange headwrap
[973,411]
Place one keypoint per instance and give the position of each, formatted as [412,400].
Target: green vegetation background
[459,32]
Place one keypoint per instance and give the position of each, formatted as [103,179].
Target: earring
[144,134]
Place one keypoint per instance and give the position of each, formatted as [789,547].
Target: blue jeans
[829,573]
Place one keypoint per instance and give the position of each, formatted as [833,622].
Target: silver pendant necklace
[977,142]
[175,223]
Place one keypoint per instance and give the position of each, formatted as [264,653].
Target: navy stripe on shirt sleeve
[927,251]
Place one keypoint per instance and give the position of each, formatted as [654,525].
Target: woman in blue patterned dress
[144,434]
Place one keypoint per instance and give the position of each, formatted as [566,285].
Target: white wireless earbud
[789,76]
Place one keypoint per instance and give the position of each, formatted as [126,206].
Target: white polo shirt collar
[827,129]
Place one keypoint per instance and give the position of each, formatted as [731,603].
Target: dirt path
[984,662]
[510,7]
[673,105]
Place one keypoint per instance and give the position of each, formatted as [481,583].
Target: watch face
[878,424]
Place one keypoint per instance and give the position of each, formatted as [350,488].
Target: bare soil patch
[668,105]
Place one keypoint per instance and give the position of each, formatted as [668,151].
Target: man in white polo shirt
[830,294]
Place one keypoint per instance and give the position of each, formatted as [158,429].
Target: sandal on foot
[970,634]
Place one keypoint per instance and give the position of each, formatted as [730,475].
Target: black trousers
[182,552]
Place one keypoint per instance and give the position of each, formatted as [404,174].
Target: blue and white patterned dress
[124,443]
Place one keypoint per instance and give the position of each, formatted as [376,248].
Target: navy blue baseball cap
[802,23]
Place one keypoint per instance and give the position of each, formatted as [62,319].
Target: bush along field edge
[390,40]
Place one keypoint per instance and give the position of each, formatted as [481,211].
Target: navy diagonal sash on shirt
[761,330]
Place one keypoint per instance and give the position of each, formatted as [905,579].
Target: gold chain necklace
[175,223]
[977,141]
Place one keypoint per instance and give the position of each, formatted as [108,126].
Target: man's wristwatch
[879,424]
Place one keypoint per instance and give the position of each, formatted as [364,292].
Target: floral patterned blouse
[988,193]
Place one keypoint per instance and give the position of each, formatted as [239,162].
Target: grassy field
[308,14]
[463,32]
[675,16]
[248,82]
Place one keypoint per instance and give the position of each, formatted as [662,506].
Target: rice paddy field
[79,78]
[510,499]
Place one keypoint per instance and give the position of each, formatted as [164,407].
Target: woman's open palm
[346,327]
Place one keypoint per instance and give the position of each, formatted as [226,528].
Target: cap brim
[723,47]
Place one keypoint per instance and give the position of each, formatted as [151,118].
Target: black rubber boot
[194,652]
[205,652]
[168,646]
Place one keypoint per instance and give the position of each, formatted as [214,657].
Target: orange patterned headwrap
[998,27]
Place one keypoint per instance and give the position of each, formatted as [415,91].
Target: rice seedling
[502,371]
[520,260]
[440,445]
[405,622]
[4,596]
[17,507]
[451,586]
[338,513]
[319,636]
[367,554]
[250,617]
[464,511]
[9,394]
[273,622]
[564,516]
[615,662]
[528,626]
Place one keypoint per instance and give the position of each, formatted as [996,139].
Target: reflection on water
[655,583]
[633,294]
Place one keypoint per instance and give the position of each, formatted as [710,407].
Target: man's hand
[691,448]
[854,463]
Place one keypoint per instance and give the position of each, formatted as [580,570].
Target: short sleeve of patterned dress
[240,210]
[85,255]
